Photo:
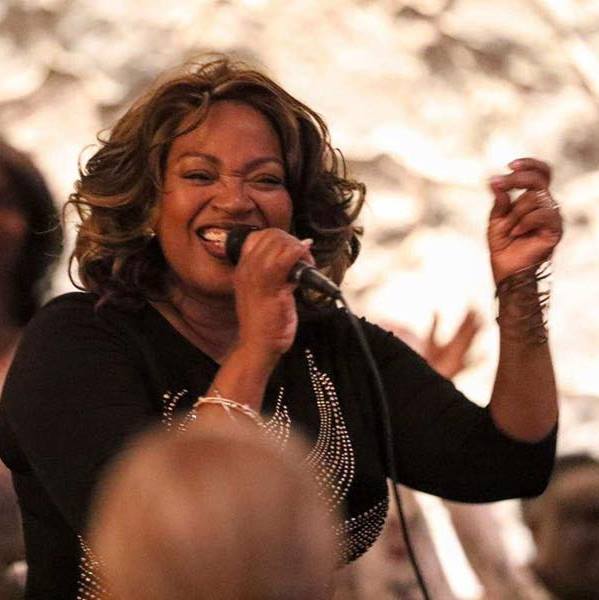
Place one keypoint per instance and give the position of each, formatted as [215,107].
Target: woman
[30,243]
[169,327]
[251,512]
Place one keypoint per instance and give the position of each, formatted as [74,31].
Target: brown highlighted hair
[118,190]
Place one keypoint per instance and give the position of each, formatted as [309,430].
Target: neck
[209,323]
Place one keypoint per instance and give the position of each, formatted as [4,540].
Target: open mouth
[214,235]
[218,235]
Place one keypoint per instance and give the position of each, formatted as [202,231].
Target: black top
[83,381]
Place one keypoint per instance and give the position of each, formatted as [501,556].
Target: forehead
[229,126]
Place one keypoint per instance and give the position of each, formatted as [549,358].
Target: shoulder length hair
[117,194]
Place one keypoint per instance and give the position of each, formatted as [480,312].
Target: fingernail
[514,164]
[307,242]
[496,181]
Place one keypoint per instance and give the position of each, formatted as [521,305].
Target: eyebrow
[252,164]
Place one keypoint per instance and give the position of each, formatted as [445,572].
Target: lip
[217,248]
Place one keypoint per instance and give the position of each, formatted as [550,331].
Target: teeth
[214,234]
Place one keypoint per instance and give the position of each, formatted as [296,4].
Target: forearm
[524,399]
[243,376]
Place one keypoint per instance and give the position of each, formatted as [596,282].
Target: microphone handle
[308,276]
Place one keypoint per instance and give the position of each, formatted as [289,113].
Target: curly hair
[23,187]
[117,194]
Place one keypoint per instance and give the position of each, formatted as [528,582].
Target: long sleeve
[76,391]
[445,444]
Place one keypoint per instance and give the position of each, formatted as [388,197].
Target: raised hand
[450,358]
[523,232]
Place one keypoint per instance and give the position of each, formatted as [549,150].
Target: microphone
[302,273]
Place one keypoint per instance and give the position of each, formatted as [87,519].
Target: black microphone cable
[388,439]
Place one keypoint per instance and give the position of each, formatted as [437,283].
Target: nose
[232,197]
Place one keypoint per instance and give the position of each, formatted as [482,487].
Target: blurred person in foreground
[564,522]
[30,243]
[221,514]
[167,326]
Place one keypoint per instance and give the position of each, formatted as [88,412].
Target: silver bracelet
[228,405]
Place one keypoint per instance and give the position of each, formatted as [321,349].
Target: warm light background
[426,98]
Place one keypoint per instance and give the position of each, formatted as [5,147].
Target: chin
[195,287]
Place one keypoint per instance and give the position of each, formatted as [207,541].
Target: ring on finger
[546,200]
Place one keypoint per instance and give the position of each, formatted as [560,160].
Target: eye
[268,180]
[203,177]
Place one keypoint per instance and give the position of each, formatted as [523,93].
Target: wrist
[522,303]
[255,356]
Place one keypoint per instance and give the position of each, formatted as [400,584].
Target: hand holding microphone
[264,294]
[304,274]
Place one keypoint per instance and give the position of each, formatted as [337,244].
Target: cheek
[174,211]
[13,232]
[278,211]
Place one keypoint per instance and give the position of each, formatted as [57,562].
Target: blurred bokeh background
[426,99]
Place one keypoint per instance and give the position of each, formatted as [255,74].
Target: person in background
[30,243]
[564,522]
[213,515]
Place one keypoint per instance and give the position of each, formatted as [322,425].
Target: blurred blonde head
[220,515]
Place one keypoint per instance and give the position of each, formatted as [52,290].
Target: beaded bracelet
[523,312]
[228,405]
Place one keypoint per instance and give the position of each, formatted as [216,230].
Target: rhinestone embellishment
[91,585]
[332,459]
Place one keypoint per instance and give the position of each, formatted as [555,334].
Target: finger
[270,254]
[525,203]
[471,322]
[432,333]
[307,243]
[542,218]
[502,201]
[474,320]
[263,243]
[281,259]
[531,164]
[466,331]
[470,326]
[526,179]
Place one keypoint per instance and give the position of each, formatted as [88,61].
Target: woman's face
[228,171]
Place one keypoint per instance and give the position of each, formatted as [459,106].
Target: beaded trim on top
[91,584]
[332,461]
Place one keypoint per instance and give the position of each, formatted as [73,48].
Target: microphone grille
[235,240]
